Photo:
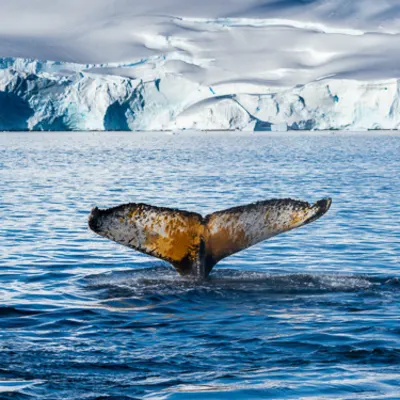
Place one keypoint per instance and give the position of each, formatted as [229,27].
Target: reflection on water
[310,314]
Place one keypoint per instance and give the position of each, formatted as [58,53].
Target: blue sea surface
[310,314]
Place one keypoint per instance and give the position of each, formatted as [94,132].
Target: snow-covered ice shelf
[166,65]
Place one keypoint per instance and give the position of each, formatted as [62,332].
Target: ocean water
[311,314]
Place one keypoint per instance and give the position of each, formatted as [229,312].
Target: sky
[214,42]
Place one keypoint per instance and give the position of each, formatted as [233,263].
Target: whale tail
[194,244]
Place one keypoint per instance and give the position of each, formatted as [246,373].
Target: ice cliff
[214,64]
[56,96]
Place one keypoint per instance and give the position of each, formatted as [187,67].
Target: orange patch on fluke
[181,239]
[298,217]
[225,241]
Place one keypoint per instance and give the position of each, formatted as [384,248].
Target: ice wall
[59,96]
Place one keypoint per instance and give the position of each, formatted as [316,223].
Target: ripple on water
[312,314]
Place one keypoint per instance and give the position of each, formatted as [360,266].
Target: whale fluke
[194,244]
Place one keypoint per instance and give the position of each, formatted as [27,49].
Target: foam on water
[165,281]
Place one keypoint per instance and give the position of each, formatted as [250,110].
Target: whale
[194,244]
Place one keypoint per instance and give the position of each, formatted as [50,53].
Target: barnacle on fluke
[194,244]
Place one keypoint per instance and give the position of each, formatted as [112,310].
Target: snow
[220,64]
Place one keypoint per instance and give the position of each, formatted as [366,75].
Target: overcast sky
[285,42]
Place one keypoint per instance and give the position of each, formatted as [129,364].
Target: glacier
[258,65]
[56,96]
